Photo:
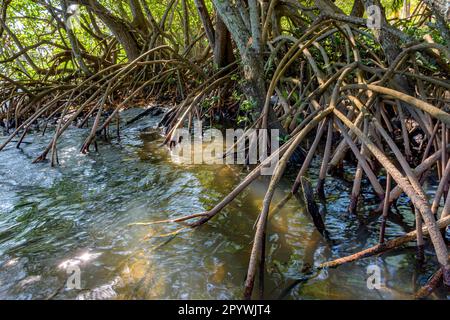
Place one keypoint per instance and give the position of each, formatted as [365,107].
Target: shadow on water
[79,215]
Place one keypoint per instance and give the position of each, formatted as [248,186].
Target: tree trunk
[327,7]
[439,11]
[118,27]
[358,9]
[73,40]
[184,6]
[139,20]
[223,48]
[388,41]
[206,21]
[248,43]
[3,9]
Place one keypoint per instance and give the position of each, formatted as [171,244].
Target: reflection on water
[80,214]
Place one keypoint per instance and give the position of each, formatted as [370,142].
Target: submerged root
[386,246]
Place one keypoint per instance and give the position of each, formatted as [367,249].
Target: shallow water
[79,215]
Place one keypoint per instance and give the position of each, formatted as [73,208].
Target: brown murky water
[53,221]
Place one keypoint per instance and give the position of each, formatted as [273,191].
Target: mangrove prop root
[381,248]
[311,206]
[434,282]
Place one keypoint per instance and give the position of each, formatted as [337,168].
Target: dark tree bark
[118,27]
[3,9]
[357,9]
[185,20]
[206,21]
[139,20]
[223,48]
[248,42]
[327,6]
[219,38]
